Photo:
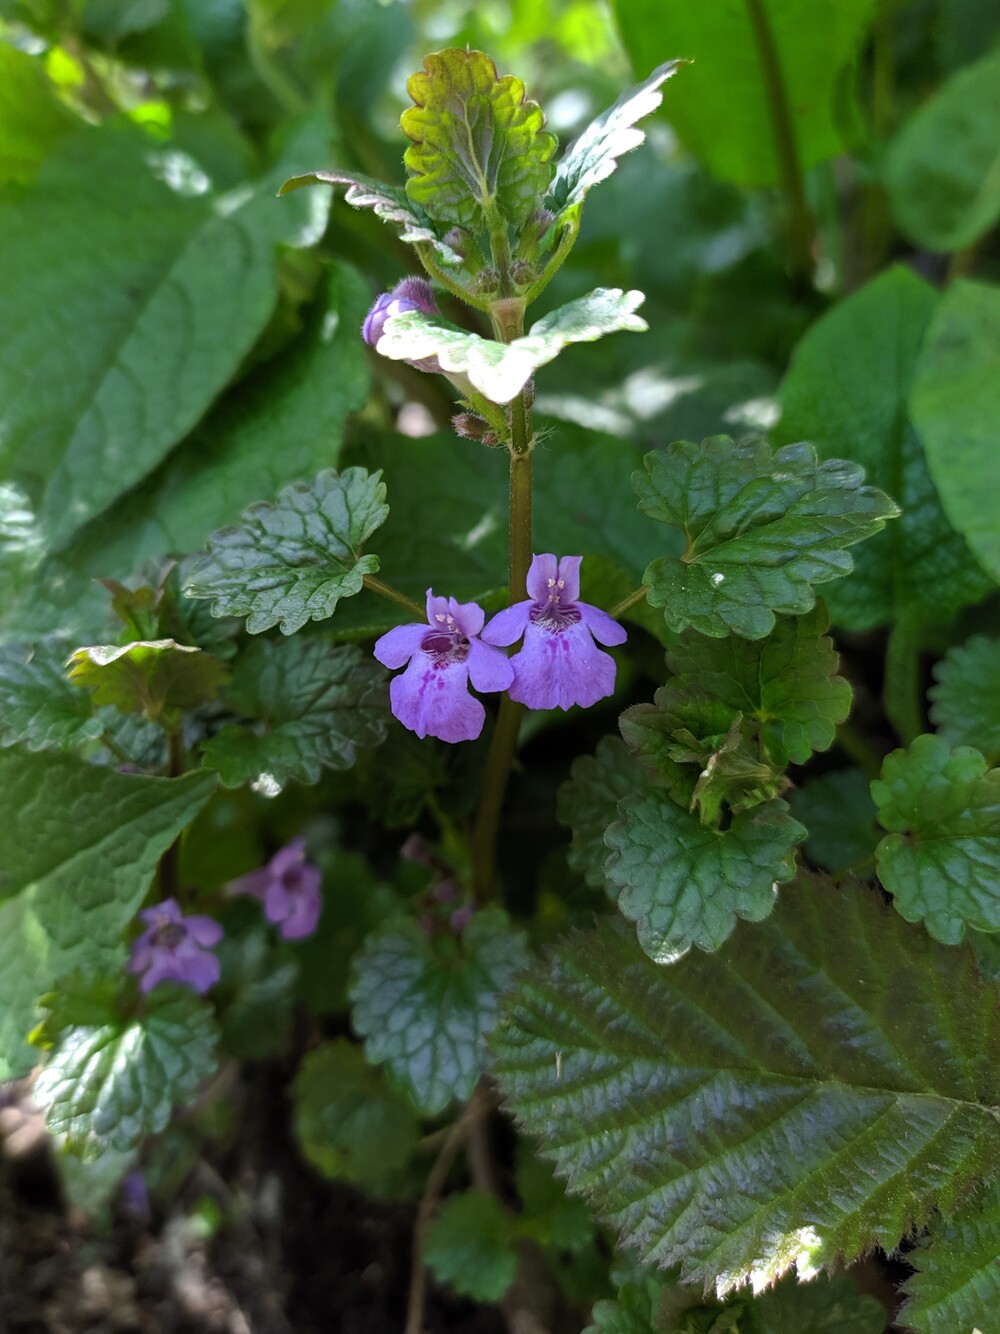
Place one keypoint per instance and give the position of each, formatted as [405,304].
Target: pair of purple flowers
[177,948]
[558,666]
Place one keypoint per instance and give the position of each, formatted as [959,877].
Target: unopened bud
[468,426]
[523,272]
[487,281]
[459,240]
[410,294]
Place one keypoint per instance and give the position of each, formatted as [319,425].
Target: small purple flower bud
[487,281]
[410,294]
[523,272]
[461,917]
[135,1197]
[289,889]
[176,948]
[459,240]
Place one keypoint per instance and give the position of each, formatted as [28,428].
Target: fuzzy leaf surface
[847,391]
[588,803]
[941,859]
[954,403]
[786,682]
[77,853]
[965,705]
[111,1079]
[478,142]
[761,529]
[850,1080]
[159,678]
[425,1005]
[957,1283]
[292,561]
[592,157]
[501,370]
[471,1246]
[38,705]
[317,704]
[685,884]
[942,171]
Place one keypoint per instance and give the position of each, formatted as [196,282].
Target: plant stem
[394,595]
[620,608]
[425,253]
[800,227]
[109,743]
[902,694]
[170,863]
[498,763]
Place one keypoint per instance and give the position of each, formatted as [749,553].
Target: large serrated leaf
[588,803]
[965,704]
[478,142]
[941,859]
[847,391]
[38,705]
[77,852]
[292,561]
[957,1283]
[685,884]
[112,1079]
[159,678]
[800,1096]
[501,370]
[786,682]
[424,1004]
[955,402]
[761,527]
[592,157]
[317,703]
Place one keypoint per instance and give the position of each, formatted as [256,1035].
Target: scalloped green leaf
[114,1077]
[965,701]
[38,704]
[800,1096]
[683,883]
[786,682]
[472,1246]
[388,202]
[350,1124]
[942,170]
[957,1283]
[291,561]
[761,527]
[78,850]
[593,157]
[588,803]
[941,859]
[838,810]
[315,705]
[501,370]
[846,391]
[424,1003]
[158,678]
[478,143]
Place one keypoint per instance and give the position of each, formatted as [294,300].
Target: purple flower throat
[446,643]
[555,614]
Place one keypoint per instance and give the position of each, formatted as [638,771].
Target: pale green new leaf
[159,678]
[786,682]
[965,704]
[588,803]
[501,370]
[798,1097]
[471,1246]
[292,561]
[941,859]
[425,1003]
[38,705]
[114,1077]
[594,155]
[955,405]
[957,1283]
[761,528]
[942,171]
[684,883]
[316,704]
[847,392]
[77,853]
[349,1123]
[477,142]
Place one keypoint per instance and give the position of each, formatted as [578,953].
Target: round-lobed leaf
[471,1246]
[965,702]
[588,803]
[38,704]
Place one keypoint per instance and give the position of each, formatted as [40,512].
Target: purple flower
[410,294]
[288,887]
[176,948]
[431,697]
[559,665]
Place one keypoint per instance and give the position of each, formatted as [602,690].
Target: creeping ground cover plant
[501,825]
